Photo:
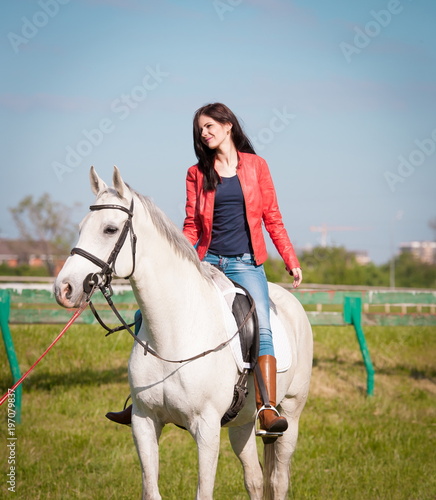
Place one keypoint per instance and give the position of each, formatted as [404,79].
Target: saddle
[249,340]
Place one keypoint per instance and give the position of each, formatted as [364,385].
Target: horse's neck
[159,282]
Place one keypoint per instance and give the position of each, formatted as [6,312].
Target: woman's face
[213,133]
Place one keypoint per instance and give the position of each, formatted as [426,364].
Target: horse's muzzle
[67,296]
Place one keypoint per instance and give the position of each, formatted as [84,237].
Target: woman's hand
[297,273]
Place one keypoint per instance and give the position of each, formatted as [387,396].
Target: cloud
[335,95]
[136,5]
[47,102]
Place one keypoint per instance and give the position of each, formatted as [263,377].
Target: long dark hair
[206,156]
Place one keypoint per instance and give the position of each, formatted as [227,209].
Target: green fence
[324,307]
[379,307]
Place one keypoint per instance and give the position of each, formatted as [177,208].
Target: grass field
[350,446]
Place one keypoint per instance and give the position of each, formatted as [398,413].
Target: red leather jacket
[260,205]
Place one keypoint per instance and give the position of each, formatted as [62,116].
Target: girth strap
[240,393]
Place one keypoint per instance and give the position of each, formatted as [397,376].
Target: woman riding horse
[229,194]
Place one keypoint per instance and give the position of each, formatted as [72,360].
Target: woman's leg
[244,271]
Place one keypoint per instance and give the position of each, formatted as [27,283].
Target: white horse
[183,316]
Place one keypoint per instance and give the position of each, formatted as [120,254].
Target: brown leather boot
[121,417]
[271,422]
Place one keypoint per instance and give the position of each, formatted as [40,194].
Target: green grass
[350,446]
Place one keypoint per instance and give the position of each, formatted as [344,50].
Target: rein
[73,318]
[146,346]
[102,280]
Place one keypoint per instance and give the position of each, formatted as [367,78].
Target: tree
[412,273]
[46,221]
[432,224]
[337,266]
[330,265]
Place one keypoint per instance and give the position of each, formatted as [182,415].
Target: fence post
[353,315]
[5,305]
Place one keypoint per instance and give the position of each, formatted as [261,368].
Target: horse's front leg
[207,436]
[146,433]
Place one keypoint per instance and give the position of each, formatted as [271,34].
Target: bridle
[102,280]
[108,268]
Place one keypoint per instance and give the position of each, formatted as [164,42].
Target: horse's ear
[120,186]
[97,185]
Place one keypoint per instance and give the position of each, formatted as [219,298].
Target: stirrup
[267,436]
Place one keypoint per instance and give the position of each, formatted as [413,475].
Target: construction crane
[324,230]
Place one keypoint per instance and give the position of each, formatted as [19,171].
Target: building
[425,251]
[14,253]
[361,256]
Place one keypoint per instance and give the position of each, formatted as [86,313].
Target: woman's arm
[273,221]
[191,224]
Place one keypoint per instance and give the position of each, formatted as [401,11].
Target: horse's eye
[110,230]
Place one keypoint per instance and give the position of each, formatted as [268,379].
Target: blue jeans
[244,271]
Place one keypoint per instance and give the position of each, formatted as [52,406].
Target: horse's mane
[173,234]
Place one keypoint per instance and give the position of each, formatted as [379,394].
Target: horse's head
[105,242]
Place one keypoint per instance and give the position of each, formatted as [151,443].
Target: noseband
[104,277]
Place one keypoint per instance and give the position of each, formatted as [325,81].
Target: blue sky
[339,97]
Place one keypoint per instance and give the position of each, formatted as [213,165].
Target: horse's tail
[269,458]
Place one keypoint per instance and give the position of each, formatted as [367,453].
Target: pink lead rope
[70,322]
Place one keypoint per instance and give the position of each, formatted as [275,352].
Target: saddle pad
[282,348]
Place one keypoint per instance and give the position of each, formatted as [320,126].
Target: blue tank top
[230,232]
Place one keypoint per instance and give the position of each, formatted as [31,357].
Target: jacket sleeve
[272,218]
[192,224]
